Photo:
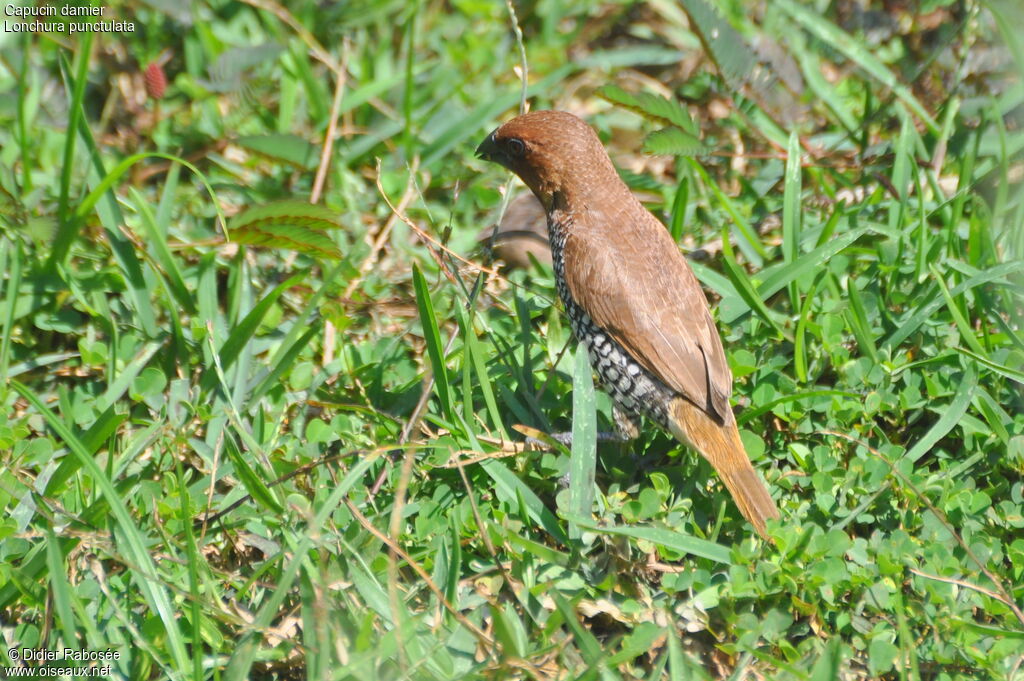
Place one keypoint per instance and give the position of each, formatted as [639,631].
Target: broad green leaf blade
[671,539]
[583,462]
[949,418]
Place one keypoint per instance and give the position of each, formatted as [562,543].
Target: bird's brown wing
[628,274]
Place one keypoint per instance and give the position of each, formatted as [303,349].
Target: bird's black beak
[490,151]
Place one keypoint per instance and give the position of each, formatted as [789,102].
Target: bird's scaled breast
[629,384]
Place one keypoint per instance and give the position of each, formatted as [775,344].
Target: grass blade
[69,227]
[60,588]
[583,462]
[949,418]
[670,539]
[791,212]
[432,337]
[745,288]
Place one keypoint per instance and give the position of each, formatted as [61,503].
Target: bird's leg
[565,438]
[627,425]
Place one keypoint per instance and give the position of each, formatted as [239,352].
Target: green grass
[247,437]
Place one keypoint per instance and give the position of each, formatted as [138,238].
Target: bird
[632,300]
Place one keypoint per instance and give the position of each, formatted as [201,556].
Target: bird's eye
[516,146]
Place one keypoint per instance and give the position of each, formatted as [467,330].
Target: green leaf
[253,483]
[679,202]
[670,539]
[745,288]
[950,416]
[673,142]
[589,646]
[962,324]
[510,489]
[748,239]
[791,211]
[157,240]
[432,337]
[509,631]
[69,226]
[291,224]
[583,462]
[858,322]
[243,332]
[1012,374]
[60,588]
[639,642]
[282,362]
[776,277]
[926,311]
[799,346]
[653,107]
[881,656]
[150,383]
[95,437]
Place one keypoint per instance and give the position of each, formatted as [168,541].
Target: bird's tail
[720,444]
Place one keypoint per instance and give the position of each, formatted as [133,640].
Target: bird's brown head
[556,154]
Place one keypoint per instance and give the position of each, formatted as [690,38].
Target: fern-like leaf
[653,107]
[674,142]
[291,224]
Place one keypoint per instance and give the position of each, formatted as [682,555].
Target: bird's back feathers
[623,268]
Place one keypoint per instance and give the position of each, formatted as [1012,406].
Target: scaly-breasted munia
[631,298]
